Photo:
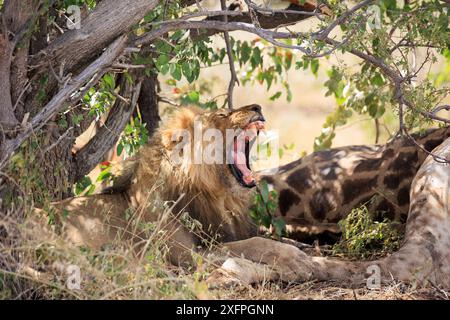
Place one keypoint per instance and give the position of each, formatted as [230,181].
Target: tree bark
[7,119]
[110,19]
[148,103]
[23,11]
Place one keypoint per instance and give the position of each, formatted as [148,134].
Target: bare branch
[321,35]
[60,139]
[220,26]
[436,157]
[440,108]
[234,78]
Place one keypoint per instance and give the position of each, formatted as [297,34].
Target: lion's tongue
[240,161]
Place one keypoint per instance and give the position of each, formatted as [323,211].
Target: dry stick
[404,130]
[61,138]
[377,130]
[252,13]
[234,78]
[208,14]
[440,108]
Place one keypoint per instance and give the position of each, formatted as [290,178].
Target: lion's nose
[257,108]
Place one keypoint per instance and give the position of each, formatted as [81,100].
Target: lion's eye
[222,114]
[256,108]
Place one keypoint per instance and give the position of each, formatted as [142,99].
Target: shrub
[362,237]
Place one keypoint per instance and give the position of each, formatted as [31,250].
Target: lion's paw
[239,271]
[220,278]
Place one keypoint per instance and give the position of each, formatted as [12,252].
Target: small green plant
[362,237]
[134,136]
[263,210]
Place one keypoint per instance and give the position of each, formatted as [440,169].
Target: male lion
[217,195]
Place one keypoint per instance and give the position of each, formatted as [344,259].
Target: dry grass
[117,272]
[39,263]
[330,291]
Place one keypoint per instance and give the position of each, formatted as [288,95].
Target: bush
[364,238]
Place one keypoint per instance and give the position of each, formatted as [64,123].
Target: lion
[215,195]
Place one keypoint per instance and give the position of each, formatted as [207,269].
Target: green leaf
[377,80]
[276,96]
[186,68]
[266,221]
[82,185]
[280,226]
[162,63]
[264,191]
[289,94]
[104,175]
[194,96]
[90,190]
[176,72]
[246,52]
[315,66]
[373,110]
[254,214]
[256,59]
[110,81]
[119,149]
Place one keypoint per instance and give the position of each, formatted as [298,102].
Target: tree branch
[110,19]
[234,78]
[56,104]
[148,103]
[267,18]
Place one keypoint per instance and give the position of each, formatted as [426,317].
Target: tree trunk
[148,103]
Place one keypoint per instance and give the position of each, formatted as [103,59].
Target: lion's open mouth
[240,168]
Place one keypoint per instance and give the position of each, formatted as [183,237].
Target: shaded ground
[330,291]
[115,273]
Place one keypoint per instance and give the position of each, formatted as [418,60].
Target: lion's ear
[170,138]
[166,138]
[180,125]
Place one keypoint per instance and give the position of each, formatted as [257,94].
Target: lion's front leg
[256,260]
